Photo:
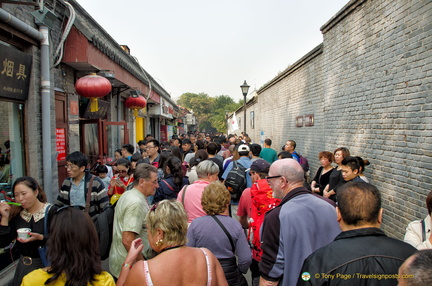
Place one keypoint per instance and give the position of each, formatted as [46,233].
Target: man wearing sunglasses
[299,225]
[74,189]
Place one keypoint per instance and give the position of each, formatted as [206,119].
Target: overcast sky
[213,46]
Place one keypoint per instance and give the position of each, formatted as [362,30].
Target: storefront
[15,73]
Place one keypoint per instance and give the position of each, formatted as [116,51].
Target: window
[11,144]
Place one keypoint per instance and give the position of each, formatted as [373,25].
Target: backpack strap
[184,193]
[168,185]
[423,224]
[235,164]
[89,191]
[226,232]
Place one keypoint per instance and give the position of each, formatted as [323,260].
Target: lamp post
[245,88]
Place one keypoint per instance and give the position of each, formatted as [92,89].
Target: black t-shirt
[219,163]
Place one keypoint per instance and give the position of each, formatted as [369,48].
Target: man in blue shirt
[290,146]
[244,160]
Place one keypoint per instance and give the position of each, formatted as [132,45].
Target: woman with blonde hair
[176,264]
[222,234]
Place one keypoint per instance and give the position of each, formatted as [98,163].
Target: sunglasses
[123,171]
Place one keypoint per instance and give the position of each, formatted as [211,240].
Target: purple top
[205,232]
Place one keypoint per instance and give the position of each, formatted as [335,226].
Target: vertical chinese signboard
[61,144]
[15,70]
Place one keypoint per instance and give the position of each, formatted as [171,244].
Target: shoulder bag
[43,249]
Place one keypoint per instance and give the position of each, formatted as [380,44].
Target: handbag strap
[423,230]
[226,232]
[46,220]
[184,193]
[89,191]
[168,185]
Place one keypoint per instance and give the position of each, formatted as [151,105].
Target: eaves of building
[103,41]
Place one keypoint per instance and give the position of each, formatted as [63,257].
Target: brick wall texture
[369,86]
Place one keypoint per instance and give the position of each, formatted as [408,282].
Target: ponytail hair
[175,166]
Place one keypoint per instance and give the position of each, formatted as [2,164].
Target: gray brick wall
[32,107]
[370,91]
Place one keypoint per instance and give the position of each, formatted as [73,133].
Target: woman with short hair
[336,179]
[176,264]
[323,174]
[200,156]
[190,195]
[73,252]
[222,234]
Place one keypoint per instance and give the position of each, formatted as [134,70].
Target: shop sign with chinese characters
[61,144]
[15,70]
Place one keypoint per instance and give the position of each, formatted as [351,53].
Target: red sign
[73,107]
[61,144]
[164,133]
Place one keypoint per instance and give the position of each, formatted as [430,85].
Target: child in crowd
[102,172]
[351,169]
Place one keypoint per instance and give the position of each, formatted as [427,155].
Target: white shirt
[413,234]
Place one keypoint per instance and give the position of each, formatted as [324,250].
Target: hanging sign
[15,70]
[61,144]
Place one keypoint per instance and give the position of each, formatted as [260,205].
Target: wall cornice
[345,11]
[292,68]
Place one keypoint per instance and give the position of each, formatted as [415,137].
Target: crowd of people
[206,209]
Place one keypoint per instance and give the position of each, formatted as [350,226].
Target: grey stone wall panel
[370,91]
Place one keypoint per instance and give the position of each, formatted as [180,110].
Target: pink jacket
[192,199]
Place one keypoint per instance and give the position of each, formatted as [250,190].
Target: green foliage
[209,111]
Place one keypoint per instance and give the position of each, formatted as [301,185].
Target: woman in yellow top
[73,252]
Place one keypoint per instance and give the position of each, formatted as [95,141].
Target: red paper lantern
[136,102]
[93,86]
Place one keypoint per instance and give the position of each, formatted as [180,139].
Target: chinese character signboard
[61,144]
[104,106]
[73,105]
[15,70]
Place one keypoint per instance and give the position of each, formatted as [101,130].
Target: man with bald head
[416,270]
[361,254]
[301,224]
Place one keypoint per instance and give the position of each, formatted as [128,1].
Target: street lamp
[245,88]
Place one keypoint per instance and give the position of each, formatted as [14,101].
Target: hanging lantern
[135,102]
[93,86]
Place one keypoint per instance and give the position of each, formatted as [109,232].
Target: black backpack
[236,181]
[104,223]
[303,162]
